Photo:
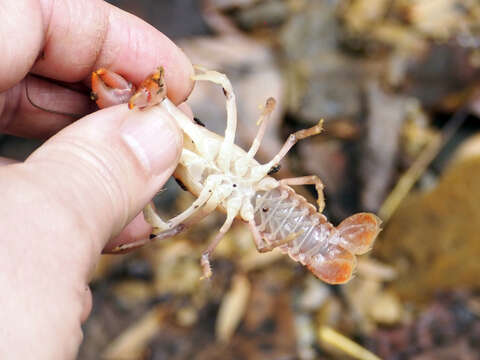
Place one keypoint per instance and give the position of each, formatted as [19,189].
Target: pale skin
[77,193]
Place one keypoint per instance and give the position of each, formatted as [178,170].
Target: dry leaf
[233,308]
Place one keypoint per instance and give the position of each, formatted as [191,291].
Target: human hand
[86,183]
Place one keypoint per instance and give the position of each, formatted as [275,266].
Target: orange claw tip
[100,71]
[152,91]
[111,79]
[109,88]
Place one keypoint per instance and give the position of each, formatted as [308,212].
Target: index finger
[79,36]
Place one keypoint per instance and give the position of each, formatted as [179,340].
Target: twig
[410,177]
[328,336]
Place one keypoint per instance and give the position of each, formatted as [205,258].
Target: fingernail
[153,138]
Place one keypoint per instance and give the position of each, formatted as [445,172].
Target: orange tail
[335,266]
[358,232]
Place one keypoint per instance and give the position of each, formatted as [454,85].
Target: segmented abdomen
[287,221]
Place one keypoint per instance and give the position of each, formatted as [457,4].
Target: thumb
[98,173]
[61,206]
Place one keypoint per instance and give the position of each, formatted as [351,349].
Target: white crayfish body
[224,176]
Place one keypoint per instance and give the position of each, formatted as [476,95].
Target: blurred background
[398,84]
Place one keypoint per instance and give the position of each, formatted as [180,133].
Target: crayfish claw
[109,88]
[151,91]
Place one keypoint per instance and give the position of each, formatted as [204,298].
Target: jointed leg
[204,196]
[242,164]
[153,219]
[284,241]
[263,245]
[260,171]
[309,180]
[163,230]
[263,122]
[162,235]
[160,229]
[226,150]
[232,211]
[167,230]
[260,242]
[205,259]
[208,208]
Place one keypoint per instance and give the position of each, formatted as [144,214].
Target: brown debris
[433,238]
[339,344]
[386,116]
[132,342]
[447,329]
[233,308]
